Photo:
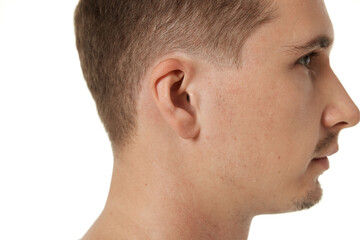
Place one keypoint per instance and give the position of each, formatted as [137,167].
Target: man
[217,111]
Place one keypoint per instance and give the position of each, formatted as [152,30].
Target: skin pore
[216,146]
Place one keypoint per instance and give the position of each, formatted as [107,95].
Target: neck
[148,200]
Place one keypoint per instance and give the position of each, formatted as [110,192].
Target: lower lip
[323,162]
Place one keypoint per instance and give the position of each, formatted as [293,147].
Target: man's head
[247,130]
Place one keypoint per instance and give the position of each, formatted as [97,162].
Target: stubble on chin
[311,198]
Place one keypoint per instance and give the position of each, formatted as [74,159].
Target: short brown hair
[118,39]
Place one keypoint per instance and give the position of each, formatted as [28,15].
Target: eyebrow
[320,42]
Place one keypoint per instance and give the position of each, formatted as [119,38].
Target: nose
[341,112]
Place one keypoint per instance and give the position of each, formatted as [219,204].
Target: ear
[170,81]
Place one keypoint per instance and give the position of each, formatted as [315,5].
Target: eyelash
[307,59]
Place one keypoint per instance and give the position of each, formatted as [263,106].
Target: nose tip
[351,112]
[351,115]
[356,116]
[342,113]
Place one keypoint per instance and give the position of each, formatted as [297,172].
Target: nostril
[341,125]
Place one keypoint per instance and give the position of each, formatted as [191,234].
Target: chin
[305,199]
[310,198]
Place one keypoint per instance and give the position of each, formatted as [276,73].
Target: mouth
[323,158]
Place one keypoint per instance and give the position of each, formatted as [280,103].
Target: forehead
[296,23]
[302,20]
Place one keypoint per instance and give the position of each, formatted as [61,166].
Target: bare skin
[216,146]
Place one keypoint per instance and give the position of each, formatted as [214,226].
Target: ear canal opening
[188,97]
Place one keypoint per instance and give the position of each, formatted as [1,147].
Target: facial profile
[280,113]
[218,142]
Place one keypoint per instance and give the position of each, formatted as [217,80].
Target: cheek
[263,131]
[283,121]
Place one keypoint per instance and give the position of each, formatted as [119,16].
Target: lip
[323,160]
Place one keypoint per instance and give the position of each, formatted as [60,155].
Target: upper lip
[330,151]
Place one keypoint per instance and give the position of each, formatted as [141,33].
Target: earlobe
[170,81]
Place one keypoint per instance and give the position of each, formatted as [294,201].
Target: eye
[306,60]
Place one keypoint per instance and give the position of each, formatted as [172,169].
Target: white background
[56,161]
